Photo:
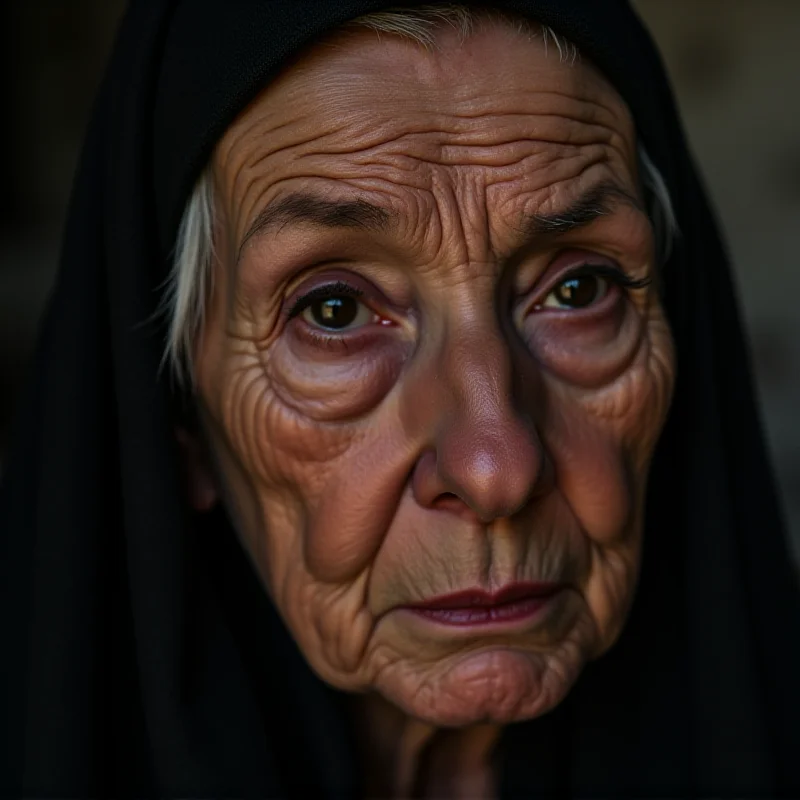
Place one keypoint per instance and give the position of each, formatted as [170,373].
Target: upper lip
[471,598]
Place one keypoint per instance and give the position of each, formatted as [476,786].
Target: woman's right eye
[333,308]
[337,313]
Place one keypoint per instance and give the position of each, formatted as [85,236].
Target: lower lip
[486,615]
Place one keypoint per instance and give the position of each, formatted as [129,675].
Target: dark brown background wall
[735,65]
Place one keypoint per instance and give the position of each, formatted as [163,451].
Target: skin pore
[431,363]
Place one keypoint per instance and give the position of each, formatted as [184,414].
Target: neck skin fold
[403,757]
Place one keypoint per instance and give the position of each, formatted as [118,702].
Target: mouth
[513,602]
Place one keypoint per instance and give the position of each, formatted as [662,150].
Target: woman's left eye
[588,285]
[578,291]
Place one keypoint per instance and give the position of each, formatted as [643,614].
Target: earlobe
[198,478]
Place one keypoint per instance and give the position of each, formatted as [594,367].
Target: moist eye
[579,292]
[587,285]
[334,313]
[333,307]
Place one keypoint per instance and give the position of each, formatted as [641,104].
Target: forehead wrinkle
[399,169]
[417,140]
[451,243]
[472,109]
[236,144]
[237,158]
[397,148]
[254,167]
[470,201]
[454,121]
[430,133]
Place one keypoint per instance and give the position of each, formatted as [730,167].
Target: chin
[496,685]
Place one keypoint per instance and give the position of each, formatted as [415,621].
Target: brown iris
[334,312]
[578,291]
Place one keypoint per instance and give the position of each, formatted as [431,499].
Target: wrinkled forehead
[370,87]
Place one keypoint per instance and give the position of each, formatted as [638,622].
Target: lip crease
[479,607]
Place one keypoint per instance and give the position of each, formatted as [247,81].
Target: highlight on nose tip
[497,478]
[494,476]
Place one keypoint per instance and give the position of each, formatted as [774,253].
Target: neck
[406,758]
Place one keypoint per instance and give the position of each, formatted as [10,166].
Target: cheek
[604,497]
[602,442]
[355,510]
[300,456]
[591,472]
[275,443]
[608,383]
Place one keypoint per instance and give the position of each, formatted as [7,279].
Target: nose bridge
[479,379]
[488,452]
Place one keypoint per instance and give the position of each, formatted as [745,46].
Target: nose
[485,453]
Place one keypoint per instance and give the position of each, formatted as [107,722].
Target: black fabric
[140,656]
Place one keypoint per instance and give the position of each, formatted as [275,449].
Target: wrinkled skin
[467,430]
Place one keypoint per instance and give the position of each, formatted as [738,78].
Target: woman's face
[431,375]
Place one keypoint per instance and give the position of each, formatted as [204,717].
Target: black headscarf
[141,656]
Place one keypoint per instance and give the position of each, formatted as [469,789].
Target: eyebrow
[600,201]
[299,208]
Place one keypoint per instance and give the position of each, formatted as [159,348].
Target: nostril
[448,501]
[451,503]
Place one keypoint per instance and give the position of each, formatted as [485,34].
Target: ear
[199,484]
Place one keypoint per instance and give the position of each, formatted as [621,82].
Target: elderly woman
[335,476]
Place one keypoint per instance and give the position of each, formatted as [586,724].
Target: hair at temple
[190,280]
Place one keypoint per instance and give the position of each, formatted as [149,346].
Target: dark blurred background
[735,66]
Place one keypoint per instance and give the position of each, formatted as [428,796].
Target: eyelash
[614,274]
